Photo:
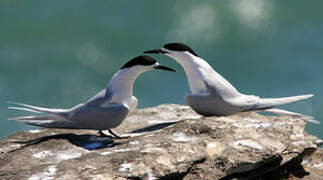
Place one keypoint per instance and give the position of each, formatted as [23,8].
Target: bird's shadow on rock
[86,141]
[154,127]
[89,141]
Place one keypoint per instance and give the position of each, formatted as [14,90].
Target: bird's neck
[121,86]
[198,71]
[193,66]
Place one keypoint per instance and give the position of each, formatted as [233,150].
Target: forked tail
[269,104]
[51,118]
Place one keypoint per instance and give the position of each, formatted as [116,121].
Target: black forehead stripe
[179,47]
[140,60]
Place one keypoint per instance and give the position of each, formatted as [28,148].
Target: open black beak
[164,68]
[155,51]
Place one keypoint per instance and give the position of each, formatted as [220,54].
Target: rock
[314,165]
[168,142]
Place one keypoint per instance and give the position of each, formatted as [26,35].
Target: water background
[60,53]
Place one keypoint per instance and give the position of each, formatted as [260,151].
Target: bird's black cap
[145,61]
[179,47]
[173,47]
[140,60]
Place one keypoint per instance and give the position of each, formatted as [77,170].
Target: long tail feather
[53,118]
[52,124]
[24,109]
[48,121]
[29,118]
[40,109]
[274,102]
[294,114]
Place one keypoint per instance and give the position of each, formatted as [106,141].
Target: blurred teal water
[60,53]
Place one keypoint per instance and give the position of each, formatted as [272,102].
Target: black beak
[164,68]
[155,51]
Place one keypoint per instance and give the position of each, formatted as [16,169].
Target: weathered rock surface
[169,142]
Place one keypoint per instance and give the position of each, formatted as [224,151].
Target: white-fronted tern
[212,95]
[104,111]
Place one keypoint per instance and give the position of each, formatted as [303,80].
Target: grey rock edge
[170,142]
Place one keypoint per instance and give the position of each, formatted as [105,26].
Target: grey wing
[246,102]
[101,97]
[99,118]
[216,84]
[211,105]
[231,100]
[256,103]
[220,101]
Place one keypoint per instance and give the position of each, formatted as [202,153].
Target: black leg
[101,134]
[115,135]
